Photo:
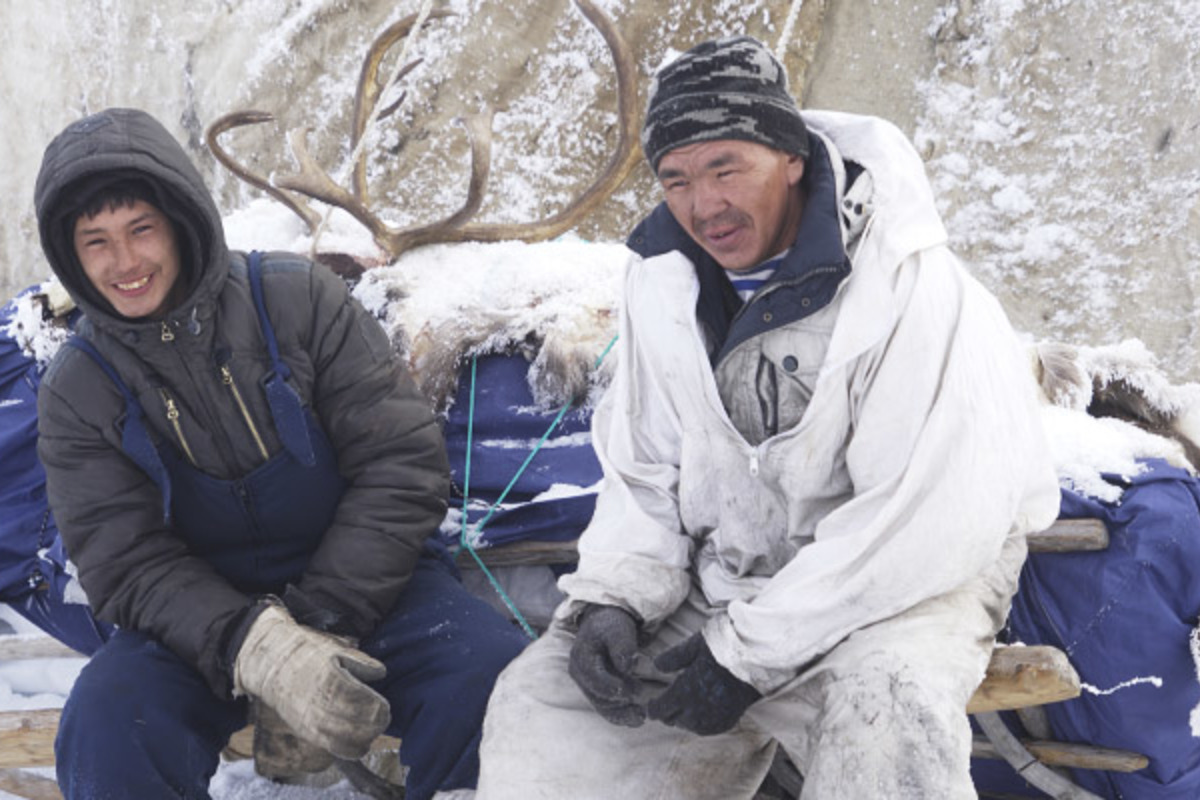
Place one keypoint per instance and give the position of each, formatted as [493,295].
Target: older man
[821,456]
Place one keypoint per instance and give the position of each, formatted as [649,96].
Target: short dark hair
[123,193]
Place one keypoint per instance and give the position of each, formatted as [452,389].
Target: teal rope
[464,539]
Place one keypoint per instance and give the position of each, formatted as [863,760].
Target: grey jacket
[136,571]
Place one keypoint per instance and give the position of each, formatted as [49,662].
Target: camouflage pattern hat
[731,88]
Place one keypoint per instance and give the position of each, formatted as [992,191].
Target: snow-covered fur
[39,324]
[1124,383]
[443,305]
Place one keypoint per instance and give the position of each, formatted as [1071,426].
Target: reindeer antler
[237,119]
[618,168]
[316,183]
[370,87]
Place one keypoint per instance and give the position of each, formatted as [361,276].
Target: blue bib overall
[142,723]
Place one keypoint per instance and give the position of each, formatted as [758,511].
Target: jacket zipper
[227,379]
[173,418]
[167,334]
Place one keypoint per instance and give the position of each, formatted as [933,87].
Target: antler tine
[237,119]
[316,183]
[618,168]
[369,87]
[479,131]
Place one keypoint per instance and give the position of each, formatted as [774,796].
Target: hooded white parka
[918,454]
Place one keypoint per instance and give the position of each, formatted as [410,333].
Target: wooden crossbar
[1065,535]
[1017,676]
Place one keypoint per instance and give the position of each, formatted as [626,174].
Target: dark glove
[602,664]
[705,698]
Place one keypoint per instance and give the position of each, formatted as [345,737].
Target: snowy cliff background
[1060,135]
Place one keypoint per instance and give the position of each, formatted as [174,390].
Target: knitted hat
[730,88]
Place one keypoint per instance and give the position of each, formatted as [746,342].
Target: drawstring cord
[464,538]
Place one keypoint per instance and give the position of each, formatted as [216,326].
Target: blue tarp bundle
[1125,617]
[33,577]
[507,426]
[26,526]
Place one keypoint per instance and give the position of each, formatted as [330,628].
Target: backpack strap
[135,439]
[287,410]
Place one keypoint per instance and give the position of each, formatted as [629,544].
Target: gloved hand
[602,664]
[705,698]
[279,754]
[314,681]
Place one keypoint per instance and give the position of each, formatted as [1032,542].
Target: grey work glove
[705,698]
[279,754]
[314,681]
[602,664]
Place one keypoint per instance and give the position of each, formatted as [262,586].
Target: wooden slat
[1067,754]
[1070,535]
[1025,676]
[27,738]
[1063,536]
[1017,676]
[16,647]
[30,787]
[519,554]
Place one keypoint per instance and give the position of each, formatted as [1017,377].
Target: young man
[822,453]
[246,478]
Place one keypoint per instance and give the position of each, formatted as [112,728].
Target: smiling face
[739,200]
[129,254]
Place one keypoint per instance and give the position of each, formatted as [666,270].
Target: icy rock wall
[1059,134]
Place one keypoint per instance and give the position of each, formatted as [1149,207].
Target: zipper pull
[754,463]
[167,335]
[226,375]
[173,418]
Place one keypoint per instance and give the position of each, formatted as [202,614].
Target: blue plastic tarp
[506,427]
[1125,617]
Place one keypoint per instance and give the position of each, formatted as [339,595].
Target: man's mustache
[730,217]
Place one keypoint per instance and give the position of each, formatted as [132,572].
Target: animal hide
[1124,382]
[555,302]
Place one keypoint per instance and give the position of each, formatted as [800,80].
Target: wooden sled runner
[1019,678]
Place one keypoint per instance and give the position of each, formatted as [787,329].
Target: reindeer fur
[560,319]
[1124,382]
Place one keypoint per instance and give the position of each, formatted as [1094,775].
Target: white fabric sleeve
[947,458]
[634,553]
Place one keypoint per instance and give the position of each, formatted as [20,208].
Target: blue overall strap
[135,440]
[286,408]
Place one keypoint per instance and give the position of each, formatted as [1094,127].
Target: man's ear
[795,169]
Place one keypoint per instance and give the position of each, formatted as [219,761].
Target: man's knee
[137,721]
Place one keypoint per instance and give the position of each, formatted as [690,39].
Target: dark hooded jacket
[137,571]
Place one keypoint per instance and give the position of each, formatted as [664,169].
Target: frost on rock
[1052,134]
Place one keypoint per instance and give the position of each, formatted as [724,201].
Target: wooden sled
[1019,678]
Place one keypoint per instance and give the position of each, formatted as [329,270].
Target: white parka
[918,453]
